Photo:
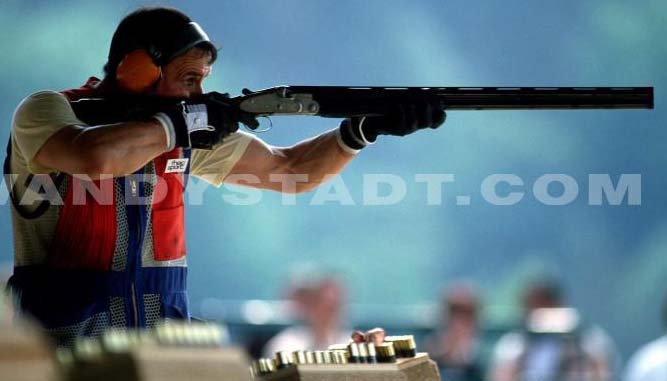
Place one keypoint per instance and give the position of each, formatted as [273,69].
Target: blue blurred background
[612,260]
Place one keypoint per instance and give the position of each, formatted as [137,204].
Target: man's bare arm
[319,158]
[116,149]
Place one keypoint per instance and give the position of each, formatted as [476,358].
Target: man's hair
[145,27]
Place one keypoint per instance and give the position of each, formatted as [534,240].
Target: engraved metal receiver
[278,101]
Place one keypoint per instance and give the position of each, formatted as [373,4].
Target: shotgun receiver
[343,102]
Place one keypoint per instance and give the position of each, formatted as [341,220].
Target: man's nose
[199,89]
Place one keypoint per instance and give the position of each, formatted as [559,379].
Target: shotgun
[344,102]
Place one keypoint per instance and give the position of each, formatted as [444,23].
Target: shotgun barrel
[341,101]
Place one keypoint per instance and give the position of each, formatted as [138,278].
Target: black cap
[163,32]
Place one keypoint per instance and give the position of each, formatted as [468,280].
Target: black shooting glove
[203,122]
[404,119]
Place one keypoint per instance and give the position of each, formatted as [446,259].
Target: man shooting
[118,259]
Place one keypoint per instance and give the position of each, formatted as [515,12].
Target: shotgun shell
[363,352]
[116,341]
[310,357]
[393,340]
[385,353]
[283,359]
[266,366]
[409,346]
[319,357]
[353,349]
[335,356]
[340,357]
[403,345]
[254,369]
[372,356]
[299,357]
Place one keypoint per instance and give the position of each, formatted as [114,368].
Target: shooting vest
[118,254]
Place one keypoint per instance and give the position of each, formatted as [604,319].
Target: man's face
[183,76]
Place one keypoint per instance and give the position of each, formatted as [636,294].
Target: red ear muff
[137,72]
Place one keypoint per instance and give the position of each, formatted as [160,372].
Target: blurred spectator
[455,345]
[552,344]
[317,299]
[650,361]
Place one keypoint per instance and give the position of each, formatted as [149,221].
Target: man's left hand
[403,120]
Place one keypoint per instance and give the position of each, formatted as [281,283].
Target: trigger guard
[259,128]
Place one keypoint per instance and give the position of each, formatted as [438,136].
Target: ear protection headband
[141,68]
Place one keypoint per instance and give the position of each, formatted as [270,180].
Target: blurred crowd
[552,341]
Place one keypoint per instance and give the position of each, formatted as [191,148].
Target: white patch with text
[176,165]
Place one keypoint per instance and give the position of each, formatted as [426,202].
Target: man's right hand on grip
[202,122]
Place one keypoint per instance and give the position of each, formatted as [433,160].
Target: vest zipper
[135,305]
[133,187]
[135,308]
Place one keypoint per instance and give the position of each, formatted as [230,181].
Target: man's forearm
[115,149]
[294,169]
[126,147]
[319,158]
